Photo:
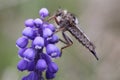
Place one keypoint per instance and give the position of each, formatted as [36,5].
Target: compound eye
[59,12]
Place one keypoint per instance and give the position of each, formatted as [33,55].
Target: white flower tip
[38,47]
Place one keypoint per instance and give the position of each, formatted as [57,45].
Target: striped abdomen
[82,38]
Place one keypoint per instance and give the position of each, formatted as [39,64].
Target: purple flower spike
[38,22]
[22,42]
[37,57]
[43,12]
[41,65]
[29,32]
[50,75]
[29,54]
[22,65]
[52,50]
[52,67]
[29,23]
[47,33]
[38,42]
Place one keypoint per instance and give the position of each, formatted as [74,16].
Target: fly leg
[53,17]
[67,41]
[50,18]
[59,29]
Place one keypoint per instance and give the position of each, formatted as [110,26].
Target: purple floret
[41,65]
[22,42]
[43,12]
[29,23]
[29,54]
[22,65]
[29,32]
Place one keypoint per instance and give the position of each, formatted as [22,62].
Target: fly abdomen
[79,35]
[82,38]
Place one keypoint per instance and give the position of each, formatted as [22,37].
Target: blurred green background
[100,20]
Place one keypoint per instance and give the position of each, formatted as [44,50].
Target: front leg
[67,41]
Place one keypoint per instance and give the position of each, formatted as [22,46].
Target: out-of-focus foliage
[100,20]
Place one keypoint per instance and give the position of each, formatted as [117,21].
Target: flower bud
[52,50]
[29,54]
[38,22]
[22,42]
[38,42]
[29,23]
[41,65]
[47,33]
[22,65]
[21,51]
[29,32]
[54,39]
[50,75]
[43,12]
[52,67]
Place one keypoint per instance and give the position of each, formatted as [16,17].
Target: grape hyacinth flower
[39,34]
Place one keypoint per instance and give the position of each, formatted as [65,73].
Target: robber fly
[68,22]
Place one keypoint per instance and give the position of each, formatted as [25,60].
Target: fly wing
[82,38]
